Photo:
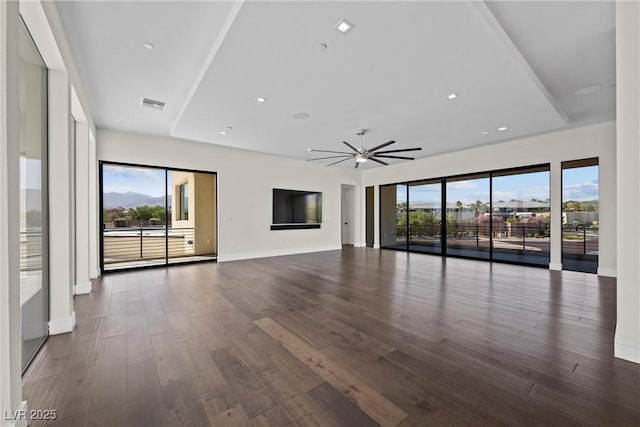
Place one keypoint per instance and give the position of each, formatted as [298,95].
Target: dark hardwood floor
[351,337]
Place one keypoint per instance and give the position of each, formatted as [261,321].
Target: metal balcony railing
[128,244]
[580,240]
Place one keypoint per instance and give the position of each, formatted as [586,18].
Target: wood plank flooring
[351,337]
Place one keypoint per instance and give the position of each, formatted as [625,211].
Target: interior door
[347,215]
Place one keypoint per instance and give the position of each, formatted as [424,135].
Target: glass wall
[34,275]
[520,209]
[425,216]
[501,215]
[580,215]
[467,216]
[156,216]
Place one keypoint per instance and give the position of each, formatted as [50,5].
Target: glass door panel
[134,216]
[192,221]
[393,216]
[34,275]
[467,216]
[580,215]
[425,216]
[521,216]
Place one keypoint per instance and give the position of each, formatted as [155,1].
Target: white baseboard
[376,246]
[607,272]
[276,253]
[83,288]
[627,351]
[555,266]
[94,273]
[62,326]
[18,417]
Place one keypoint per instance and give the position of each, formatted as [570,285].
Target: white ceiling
[514,64]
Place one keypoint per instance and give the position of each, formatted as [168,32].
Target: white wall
[245,183]
[585,142]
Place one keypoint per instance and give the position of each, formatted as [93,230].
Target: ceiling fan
[362,154]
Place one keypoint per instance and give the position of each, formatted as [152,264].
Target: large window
[580,215]
[156,216]
[500,215]
[34,275]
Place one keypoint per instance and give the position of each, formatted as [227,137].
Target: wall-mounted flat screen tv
[294,209]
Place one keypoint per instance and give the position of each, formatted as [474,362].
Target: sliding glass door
[34,275]
[156,216]
[501,215]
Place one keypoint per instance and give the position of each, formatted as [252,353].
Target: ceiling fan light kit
[362,155]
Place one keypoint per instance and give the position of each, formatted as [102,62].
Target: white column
[627,338]
[94,227]
[10,328]
[83,283]
[608,222]
[556,216]
[61,314]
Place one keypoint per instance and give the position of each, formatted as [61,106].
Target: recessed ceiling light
[224,132]
[322,46]
[502,128]
[485,132]
[301,116]
[452,96]
[344,26]
[148,45]
[261,99]
[587,90]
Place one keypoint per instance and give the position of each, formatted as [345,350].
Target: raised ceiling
[513,64]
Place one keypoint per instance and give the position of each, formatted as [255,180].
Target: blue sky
[122,179]
[578,184]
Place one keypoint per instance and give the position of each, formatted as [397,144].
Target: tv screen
[296,209]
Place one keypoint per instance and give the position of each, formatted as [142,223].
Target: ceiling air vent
[151,103]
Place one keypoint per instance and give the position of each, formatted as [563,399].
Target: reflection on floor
[155,262]
[586,265]
[513,256]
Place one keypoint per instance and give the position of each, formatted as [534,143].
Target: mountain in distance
[130,200]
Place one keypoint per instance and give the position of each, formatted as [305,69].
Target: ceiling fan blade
[340,161]
[357,165]
[399,150]
[379,161]
[394,157]
[330,157]
[325,151]
[350,146]
[381,145]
